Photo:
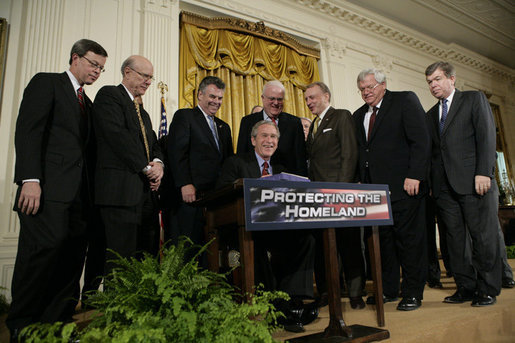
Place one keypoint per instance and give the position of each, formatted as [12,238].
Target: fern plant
[171,300]
[510,251]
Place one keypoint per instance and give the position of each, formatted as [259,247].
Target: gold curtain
[245,63]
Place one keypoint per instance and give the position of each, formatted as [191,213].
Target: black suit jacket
[467,145]
[51,137]
[121,155]
[399,145]
[333,150]
[243,166]
[291,151]
[192,150]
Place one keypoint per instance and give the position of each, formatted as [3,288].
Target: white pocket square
[325,130]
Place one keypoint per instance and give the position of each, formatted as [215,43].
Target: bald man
[129,167]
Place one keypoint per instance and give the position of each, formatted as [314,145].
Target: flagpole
[163,87]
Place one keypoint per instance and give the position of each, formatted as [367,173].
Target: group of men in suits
[60,135]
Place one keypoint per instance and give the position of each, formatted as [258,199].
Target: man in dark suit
[333,155]
[291,152]
[463,185]
[290,267]
[198,143]
[129,166]
[51,143]
[394,146]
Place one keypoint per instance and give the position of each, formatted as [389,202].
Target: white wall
[351,39]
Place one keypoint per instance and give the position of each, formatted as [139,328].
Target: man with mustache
[129,166]
[198,143]
[52,158]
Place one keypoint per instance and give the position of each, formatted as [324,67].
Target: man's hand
[483,184]
[30,197]
[155,173]
[188,193]
[411,186]
[154,185]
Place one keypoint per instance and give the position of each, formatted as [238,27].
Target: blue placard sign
[281,205]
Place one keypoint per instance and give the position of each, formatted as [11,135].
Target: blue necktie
[444,115]
[213,129]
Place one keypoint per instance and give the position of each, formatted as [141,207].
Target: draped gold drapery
[245,63]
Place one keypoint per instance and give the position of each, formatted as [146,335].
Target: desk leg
[210,232]
[337,331]
[247,260]
[375,261]
[336,326]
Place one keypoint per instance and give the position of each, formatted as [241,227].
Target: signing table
[261,204]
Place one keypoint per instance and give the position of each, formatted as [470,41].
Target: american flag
[164,123]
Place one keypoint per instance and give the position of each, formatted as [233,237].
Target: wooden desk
[226,206]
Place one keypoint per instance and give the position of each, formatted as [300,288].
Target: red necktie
[265,169]
[371,122]
[273,119]
[80,95]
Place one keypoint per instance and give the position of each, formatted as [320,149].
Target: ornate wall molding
[452,53]
[160,3]
[258,29]
[335,47]
[383,62]
[482,16]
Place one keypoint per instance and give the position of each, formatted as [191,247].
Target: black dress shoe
[483,300]
[409,304]
[357,303]
[508,283]
[459,297]
[291,324]
[309,315]
[435,284]
[371,300]
[292,311]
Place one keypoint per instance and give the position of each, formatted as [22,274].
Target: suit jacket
[51,137]
[399,145]
[291,151]
[121,155]
[333,150]
[466,146]
[243,166]
[192,151]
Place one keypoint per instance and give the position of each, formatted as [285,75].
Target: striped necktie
[444,115]
[80,96]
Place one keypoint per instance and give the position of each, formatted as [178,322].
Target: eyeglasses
[94,65]
[146,77]
[369,88]
[272,99]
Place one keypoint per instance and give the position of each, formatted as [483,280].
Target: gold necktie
[142,126]
[315,125]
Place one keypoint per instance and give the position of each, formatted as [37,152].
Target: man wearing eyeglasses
[52,155]
[129,167]
[291,152]
[394,149]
